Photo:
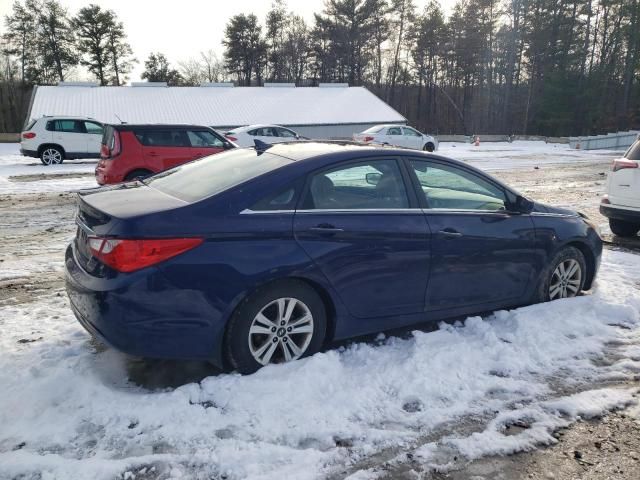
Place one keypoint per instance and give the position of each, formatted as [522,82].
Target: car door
[482,252]
[412,138]
[395,137]
[69,134]
[368,238]
[93,137]
[165,148]
[204,143]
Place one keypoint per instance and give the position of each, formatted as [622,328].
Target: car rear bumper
[29,153]
[617,213]
[142,314]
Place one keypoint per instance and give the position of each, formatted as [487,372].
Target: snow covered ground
[70,409]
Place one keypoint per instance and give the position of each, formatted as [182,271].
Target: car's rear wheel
[564,277]
[51,156]
[279,323]
[622,228]
[141,173]
[429,147]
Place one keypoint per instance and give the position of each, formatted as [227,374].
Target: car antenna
[261,146]
[119,119]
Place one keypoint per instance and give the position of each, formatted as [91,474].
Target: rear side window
[634,151]
[373,130]
[163,138]
[69,126]
[214,174]
[394,131]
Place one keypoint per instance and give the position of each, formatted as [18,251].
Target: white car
[621,203]
[398,136]
[245,136]
[54,139]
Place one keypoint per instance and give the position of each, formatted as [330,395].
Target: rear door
[70,135]
[164,148]
[361,226]
[483,253]
[204,142]
[93,137]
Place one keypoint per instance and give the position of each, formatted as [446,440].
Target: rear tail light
[368,139]
[605,199]
[113,150]
[127,255]
[28,135]
[229,137]
[622,163]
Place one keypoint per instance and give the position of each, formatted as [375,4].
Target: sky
[182,29]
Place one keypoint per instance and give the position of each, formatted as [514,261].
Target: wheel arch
[589,259]
[42,147]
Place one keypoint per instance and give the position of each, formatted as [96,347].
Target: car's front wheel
[429,147]
[279,323]
[622,228]
[51,156]
[564,277]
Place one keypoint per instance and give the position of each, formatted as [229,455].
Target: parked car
[245,136]
[54,139]
[621,203]
[258,256]
[132,151]
[398,136]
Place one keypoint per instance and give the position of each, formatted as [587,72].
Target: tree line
[544,67]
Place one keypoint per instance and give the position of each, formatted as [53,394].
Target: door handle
[326,229]
[450,233]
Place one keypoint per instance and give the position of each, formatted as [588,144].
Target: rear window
[31,124]
[214,174]
[107,136]
[373,130]
[634,151]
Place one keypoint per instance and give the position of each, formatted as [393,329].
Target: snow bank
[68,411]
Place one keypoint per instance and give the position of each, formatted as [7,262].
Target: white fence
[610,141]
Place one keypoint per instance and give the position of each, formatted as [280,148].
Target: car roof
[123,127]
[258,125]
[67,117]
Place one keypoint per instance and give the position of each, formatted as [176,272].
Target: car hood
[544,208]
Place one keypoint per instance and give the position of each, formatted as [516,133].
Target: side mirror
[373,178]
[227,145]
[523,204]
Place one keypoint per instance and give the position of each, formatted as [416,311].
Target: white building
[327,111]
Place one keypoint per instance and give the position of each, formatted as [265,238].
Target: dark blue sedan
[252,257]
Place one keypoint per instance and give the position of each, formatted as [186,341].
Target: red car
[132,151]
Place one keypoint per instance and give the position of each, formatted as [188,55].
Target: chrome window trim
[248,211]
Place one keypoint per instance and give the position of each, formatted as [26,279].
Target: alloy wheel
[51,156]
[565,280]
[281,331]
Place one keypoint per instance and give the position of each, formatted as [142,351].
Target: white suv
[621,203]
[52,139]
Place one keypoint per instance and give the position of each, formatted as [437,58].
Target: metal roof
[217,107]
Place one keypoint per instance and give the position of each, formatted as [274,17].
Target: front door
[482,253]
[358,225]
[413,139]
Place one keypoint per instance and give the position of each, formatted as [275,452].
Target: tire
[551,278]
[623,229]
[51,155]
[136,174]
[429,147]
[248,351]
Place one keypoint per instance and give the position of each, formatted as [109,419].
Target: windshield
[634,151]
[214,174]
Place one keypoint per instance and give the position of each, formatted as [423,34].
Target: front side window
[93,128]
[394,131]
[452,188]
[375,184]
[204,138]
[410,132]
[283,132]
